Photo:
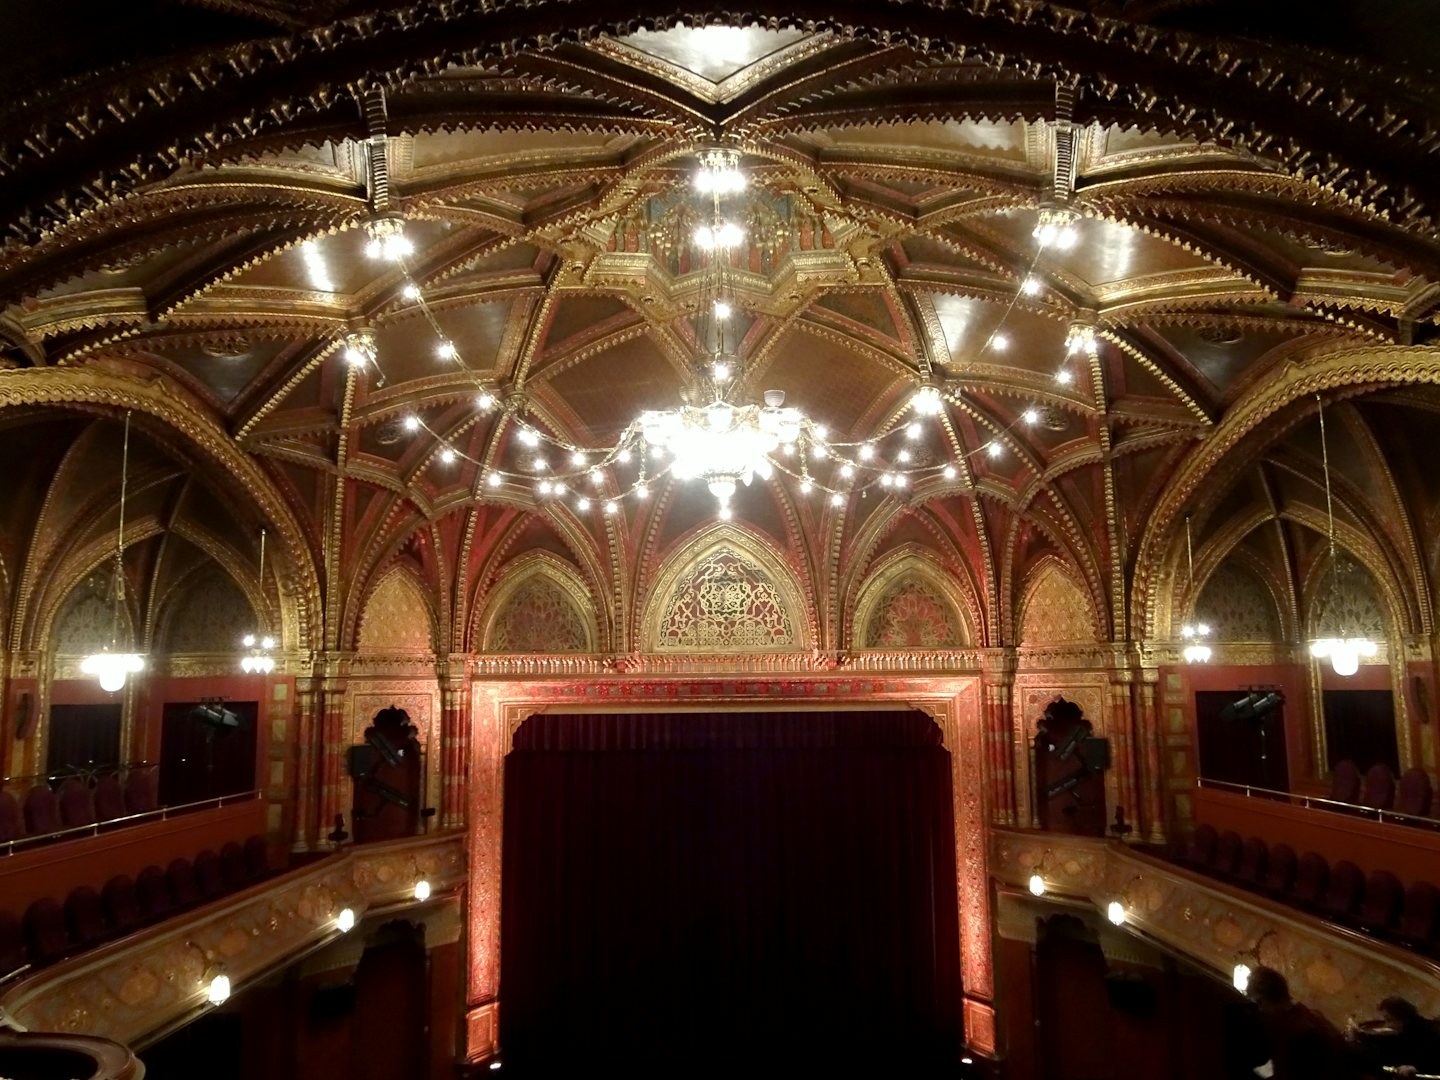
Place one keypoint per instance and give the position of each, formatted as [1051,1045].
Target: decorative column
[997,673]
[333,786]
[1146,705]
[454,741]
[489,723]
[1124,726]
[307,729]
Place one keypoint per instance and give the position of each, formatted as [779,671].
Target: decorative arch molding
[1356,371]
[94,389]
[206,611]
[397,617]
[726,591]
[1239,604]
[540,605]
[909,602]
[1055,608]
[1354,596]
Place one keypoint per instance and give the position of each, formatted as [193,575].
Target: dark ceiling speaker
[216,716]
[1253,707]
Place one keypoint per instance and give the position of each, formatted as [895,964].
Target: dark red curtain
[706,895]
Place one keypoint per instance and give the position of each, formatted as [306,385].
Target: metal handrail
[159,814]
[1318,802]
[84,772]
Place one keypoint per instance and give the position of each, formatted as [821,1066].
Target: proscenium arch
[1355,371]
[94,390]
[1165,86]
[706,542]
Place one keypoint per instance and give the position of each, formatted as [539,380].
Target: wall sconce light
[1115,912]
[219,990]
[1037,879]
[1246,962]
[345,921]
[422,890]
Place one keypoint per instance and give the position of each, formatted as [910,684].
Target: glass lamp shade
[111,669]
[1037,885]
[1115,912]
[1240,977]
[1343,653]
[219,991]
[724,445]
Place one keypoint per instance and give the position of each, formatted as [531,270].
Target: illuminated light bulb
[1031,286]
[805,487]
[529,437]
[582,504]
[494,1065]
[641,491]
[623,456]
[821,431]
[247,665]
[914,429]
[422,890]
[722,310]
[818,452]
[886,480]
[110,669]
[248,641]
[788,449]
[994,449]
[493,479]
[540,464]
[903,456]
[267,642]
[725,514]
[544,487]
[411,291]
[219,990]
[412,423]
[447,350]
[847,470]
[1115,912]
[950,472]
[597,477]
[1203,629]
[1063,377]
[1037,885]
[1240,977]
[578,460]
[447,456]
[901,480]
[1030,416]
[1066,237]
[1187,631]
[927,401]
[657,452]
[611,507]
[387,239]
[486,400]
[837,499]
[345,921]
[866,452]
[729,234]
[721,372]
[1000,342]
[560,488]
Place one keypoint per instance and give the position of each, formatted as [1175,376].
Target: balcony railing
[164,813]
[1316,802]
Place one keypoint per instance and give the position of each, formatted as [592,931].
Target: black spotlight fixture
[1253,707]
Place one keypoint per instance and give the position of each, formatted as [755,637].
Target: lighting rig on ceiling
[1343,650]
[110,666]
[714,435]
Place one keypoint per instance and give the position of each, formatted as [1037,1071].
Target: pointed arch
[540,605]
[1238,604]
[1055,609]
[206,611]
[910,602]
[398,616]
[725,591]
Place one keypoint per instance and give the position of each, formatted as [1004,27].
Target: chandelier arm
[120,536]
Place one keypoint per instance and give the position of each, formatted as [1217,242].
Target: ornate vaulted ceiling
[898,183]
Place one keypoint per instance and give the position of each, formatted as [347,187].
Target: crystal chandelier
[1343,651]
[1055,226]
[110,666]
[387,239]
[1196,650]
[258,660]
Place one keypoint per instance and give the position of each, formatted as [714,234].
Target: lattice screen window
[912,615]
[538,617]
[725,604]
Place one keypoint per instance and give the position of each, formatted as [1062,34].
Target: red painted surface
[1410,853]
[55,869]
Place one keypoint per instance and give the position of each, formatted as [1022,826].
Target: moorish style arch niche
[1055,610]
[397,617]
[1238,606]
[539,606]
[908,602]
[725,592]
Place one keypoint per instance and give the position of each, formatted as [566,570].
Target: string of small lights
[585,477]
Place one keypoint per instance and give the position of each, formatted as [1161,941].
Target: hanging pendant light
[110,666]
[258,660]
[1343,651]
[1196,650]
